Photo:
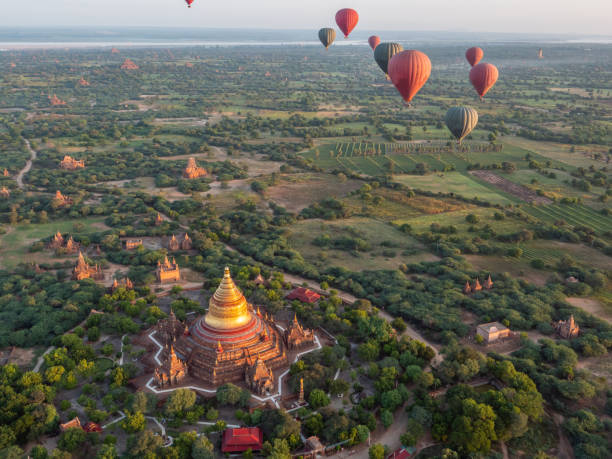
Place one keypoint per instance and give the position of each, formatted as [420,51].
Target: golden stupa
[228,308]
[226,344]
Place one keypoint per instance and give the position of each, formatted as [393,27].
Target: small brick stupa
[61,200]
[56,101]
[83,82]
[128,64]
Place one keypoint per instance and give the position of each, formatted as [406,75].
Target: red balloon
[189,2]
[409,71]
[374,41]
[483,76]
[474,55]
[347,19]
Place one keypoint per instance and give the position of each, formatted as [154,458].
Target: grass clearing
[453,182]
[15,243]
[398,247]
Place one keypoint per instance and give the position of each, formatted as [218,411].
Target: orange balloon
[409,71]
[374,41]
[474,55]
[483,76]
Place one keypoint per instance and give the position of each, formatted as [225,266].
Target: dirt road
[28,165]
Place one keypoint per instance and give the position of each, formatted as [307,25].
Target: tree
[134,422]
[71,439]
[107,452]
[230,394]
[280,450]
[377,451]
[338,386]
[386,417]
[202,448]
[473,429]
[144,444]
[180,400]
[318,399]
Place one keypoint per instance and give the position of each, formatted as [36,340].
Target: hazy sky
[547,16]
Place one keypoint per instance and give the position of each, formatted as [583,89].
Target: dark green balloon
[327,36]
[461,121]
[383,54]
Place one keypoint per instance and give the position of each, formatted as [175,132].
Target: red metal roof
[304,295]
[92,427]
[401,453]
[242,439]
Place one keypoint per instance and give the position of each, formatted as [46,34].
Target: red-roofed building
[304,295]
[242,439]
[92,427]
[402,453]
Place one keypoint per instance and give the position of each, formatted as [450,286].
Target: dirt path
[28,165]
[41,359]
[520,191]
[564,449]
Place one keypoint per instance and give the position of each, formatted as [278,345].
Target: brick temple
[193,171]
[167,271]
[83,270]
[233,342]
[71,164]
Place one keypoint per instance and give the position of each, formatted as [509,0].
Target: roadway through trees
[28,165]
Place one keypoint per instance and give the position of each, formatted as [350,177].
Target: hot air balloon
[474,55]
[461,121]
[189,2]
[383,54]
[327,36]
[347,19]
[374,41]
[409,71]
[483,76]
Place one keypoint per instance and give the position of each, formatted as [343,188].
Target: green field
[455,182]
[574,215]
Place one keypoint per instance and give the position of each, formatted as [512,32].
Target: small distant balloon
[474,55]
[374,41]
[189,2]
[327,36]
[461,121]
[347,19]
[483,76]
[409,71]
[383,54]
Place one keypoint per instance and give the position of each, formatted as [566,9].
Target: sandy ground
[300,194]
[20,357]
[591,306]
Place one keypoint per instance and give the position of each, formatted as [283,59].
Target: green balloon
[383,54]
[461,121]
[327,36]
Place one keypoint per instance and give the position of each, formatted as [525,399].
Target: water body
[96,37]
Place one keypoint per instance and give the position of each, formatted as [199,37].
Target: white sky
[532,16]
